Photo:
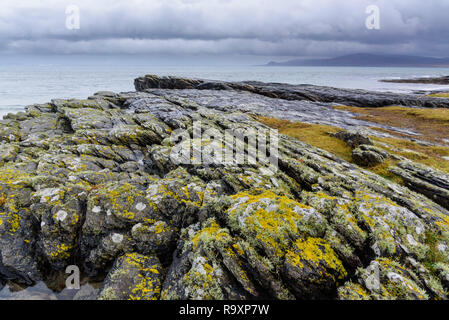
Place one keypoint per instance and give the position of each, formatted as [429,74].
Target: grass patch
[383,171]
[319,136]
[440,95]
[316,135]
[428,155]
[433,255]
[432,124]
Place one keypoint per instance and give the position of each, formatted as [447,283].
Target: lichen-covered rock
[18,258]
[428,181]
[387,279]
[369,156]
[60,213]
[197,271]
[8,152]
[133,277]
[94,183]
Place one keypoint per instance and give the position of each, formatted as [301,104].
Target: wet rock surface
[358,98]
[94,183]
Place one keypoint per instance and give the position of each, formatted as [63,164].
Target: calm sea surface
[22,86]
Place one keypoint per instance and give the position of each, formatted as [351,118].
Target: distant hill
[368,60]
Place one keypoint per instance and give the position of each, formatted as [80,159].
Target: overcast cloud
[282,28]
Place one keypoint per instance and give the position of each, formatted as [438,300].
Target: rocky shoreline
[92,183]
[429,80]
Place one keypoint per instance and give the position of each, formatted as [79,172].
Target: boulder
[369,156]
[354,138]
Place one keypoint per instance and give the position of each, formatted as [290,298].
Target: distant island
[367,60]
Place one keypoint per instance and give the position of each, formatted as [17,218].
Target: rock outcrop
[429,80]
[428,181]
[95,183]
[369,156]
[352,97]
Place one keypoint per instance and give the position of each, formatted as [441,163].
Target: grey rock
[360,98]
[369,156]
[354,138]
[133,277]
[86,292]
[425,180]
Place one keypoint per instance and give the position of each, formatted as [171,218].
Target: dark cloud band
[259,27]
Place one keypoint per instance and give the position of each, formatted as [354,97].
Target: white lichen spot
[394,277]
[141,206]
[117,238]
[442,247]
[411,240]
[198,265]
[61,215]
[419,230]
[47,193]
[96,209]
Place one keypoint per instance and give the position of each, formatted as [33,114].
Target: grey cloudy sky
[281,28]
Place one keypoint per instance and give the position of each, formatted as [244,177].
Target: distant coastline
[367,60]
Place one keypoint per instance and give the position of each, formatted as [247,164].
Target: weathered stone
[354,138]
[94,182]
[369,156]
[362,98]
[433,183]
[133,277]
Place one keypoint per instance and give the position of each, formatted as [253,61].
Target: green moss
[434,256]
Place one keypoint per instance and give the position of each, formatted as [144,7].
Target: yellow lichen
[62,251]
[316,252]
